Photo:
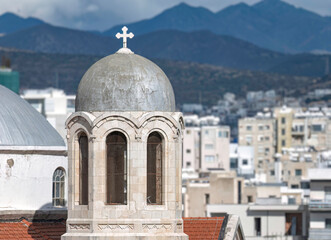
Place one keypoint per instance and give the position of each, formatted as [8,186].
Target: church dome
[125,82]
[22,125]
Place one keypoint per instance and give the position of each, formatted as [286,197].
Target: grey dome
[22,125]
[125,82]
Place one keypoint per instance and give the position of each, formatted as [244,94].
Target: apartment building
[284,118]
[206,145]
[320,203]
[259,132]
[242,160]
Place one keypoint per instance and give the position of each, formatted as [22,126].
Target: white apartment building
[54,104]
[206,145]
[242,160]
[320,203]
[215,147]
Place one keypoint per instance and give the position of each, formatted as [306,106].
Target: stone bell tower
[124,149]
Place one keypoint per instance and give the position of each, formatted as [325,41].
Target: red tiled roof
[205,228]
[24,230]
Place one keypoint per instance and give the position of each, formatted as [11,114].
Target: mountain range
[186,39]
[199,46]
[10,23]
[271,24]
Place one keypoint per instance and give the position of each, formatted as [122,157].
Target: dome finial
[124,35]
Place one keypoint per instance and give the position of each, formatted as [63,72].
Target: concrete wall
[27,183]
[317,219]
[317,190]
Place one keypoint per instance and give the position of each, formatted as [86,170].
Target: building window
[305,185]
[207,198]
[294,186]
[316,128]
[154,168]
[327,194]
[116,168]
[266,138]
[257,226]
[249,139]
[272,172]
[298,172]
[283,120]
[188,150]
[283,143]
[291,200]
[267,127]
[328,223]
[209,158]
[260,127]
[209,146]
[248,128]
[233,163]
[223,134]
[58,187]
[245,162]
[249,199]
[83,169]
[283,131]
[188,164]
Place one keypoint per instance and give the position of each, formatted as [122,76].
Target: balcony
[319,234]
[320,206]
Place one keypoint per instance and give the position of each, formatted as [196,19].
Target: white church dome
[22,125]
[125,82]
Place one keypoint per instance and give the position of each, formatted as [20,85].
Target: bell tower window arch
[116,168]
[83,169]
[154,168]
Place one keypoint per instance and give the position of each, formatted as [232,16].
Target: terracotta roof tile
[207,228]
[203,227]
[25,230]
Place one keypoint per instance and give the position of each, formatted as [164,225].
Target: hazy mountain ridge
[199,46]
[271,24]
[10,22]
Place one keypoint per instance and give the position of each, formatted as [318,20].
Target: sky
[103,14]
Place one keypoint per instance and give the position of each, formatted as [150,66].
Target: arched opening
[116,168]
[58,187]
[154,168]
[83,169]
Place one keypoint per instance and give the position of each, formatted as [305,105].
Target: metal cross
[124,35]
